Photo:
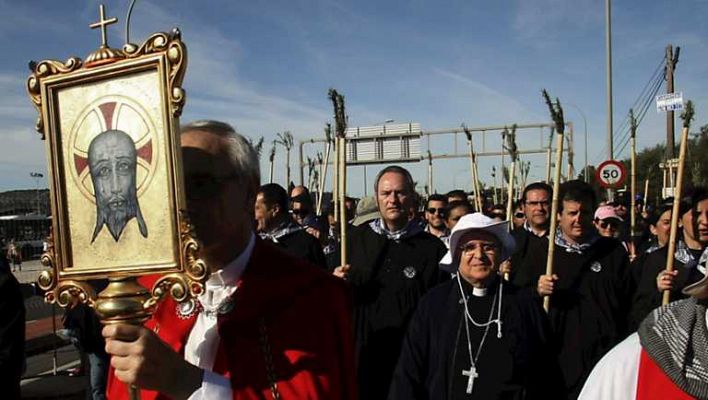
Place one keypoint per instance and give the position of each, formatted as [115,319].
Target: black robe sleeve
[409,376]
[12,335]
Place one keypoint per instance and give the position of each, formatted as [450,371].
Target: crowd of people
[436,299]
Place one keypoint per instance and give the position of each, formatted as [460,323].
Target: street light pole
[585,129]
[37,176]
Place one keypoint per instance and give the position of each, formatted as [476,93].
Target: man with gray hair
[393,262]
[268,324]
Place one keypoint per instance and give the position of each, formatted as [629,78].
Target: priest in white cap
[477,336]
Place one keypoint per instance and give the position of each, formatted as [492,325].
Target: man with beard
[435,216]
[589,290]
[688,267]
[268,324]
[112,163]
[536,206]
[274,224]
[393,262]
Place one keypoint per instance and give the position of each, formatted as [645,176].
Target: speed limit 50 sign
[611,174]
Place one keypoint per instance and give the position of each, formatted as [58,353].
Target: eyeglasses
[203,186]
[544,203]
[519,215]
[440,211]
[299,211]
[487,248]
[607,224]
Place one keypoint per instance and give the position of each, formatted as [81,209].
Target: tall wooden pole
[323,175]
[549,156]
[671,62]
[557,115]
[646,195]
[473,170]
[510,137]
[494,177]
[272,161]
[633,183]
[340,120]
[687,116]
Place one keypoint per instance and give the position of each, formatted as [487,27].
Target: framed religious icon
[110,126]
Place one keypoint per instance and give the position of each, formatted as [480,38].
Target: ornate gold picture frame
[114,160]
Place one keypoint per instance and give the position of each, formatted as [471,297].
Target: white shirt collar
[479,291]
[231,273]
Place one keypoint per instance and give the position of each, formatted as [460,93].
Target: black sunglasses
[440,211]
[519,215]
[608,224]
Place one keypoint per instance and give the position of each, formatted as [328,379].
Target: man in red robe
[267,326]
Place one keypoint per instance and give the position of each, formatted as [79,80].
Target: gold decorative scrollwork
[42,70]
[176,53]
[195,268]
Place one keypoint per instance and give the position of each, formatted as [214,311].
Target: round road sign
[611,174]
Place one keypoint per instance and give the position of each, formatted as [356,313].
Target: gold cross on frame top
[103,23]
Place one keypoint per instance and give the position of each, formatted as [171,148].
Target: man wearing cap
[688,267]
[392,264]
[589,289]
[477,336]
[274,224]
[665,359]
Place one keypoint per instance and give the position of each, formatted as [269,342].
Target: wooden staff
[473,169]
[272,161]
[514,155]
[335,178]
[430,173]
[633,183]
[340,120]
[557,116]
[549,153]
[494,192]
[687,116]
[646,194]
[325,164]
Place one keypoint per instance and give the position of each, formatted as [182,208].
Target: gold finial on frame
[104,54]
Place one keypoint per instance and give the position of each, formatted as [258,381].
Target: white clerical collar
[231,273]
[479,291]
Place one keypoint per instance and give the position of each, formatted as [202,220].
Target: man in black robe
[477,337]
[392,264]
[274,224]
[589,289]
[536,205]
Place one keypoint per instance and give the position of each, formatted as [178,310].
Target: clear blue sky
[265,67]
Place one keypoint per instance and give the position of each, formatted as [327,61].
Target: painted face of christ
[112,162]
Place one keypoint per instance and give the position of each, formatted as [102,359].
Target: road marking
[49,372]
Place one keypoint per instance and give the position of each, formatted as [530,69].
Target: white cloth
[615,376]
[203,341]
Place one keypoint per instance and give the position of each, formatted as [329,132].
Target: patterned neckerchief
[412,228]
[579,248]
[282,230]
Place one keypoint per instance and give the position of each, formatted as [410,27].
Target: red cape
[307,314]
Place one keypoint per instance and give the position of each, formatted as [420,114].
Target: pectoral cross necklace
[471,373]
